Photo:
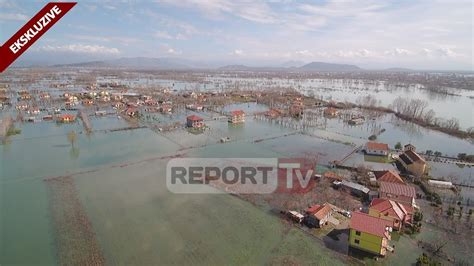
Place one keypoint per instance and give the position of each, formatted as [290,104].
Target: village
[362,201]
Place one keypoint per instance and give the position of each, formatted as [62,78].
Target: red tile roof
[330,110]
[388,176]
[194,118]
[389,208]
[323,211]
[237,112]
[319,211]
[397,189]
[68,116]
[313,209]
[377,146]
[372,225]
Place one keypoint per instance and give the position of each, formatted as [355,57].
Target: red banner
[32,31]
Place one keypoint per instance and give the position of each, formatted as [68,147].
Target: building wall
[367,242]
[417,168]
[376,152]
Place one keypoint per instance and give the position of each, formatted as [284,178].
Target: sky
[369,33]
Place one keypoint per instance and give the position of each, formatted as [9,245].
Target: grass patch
[395,236]
[377,159]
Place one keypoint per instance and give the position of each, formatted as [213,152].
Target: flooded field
[131,211]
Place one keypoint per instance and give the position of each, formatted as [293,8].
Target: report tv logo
[240,175]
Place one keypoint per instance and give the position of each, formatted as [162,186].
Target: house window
[357,241]
[357,233]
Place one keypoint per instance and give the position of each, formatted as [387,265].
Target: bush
[425,260]
[418,216]
[13,131]
[398,146]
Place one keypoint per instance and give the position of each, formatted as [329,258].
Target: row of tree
[416,110]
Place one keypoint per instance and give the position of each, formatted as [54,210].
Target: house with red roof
[370,234]
[375,148]
[402,193]
[131,111]
[318,215]
[331,111]
[273,113]
[194,121]
[388,176]
[391,211]
[237,117]
[66,118]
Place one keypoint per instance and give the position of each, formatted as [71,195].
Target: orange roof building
[194,121]
[331,111]
[388,176]
[375,148]
[391,211]
[66,118]
[318,215]
[237,116]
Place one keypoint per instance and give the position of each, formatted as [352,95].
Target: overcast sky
[372,34]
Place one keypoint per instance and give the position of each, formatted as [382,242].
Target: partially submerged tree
[71,137]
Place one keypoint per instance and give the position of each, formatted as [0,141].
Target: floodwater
[119,178]
[458,103]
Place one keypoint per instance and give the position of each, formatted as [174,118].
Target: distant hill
[321,66]
[165,63]
[292,63]
[250,68]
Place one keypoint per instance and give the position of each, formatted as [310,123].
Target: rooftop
[355,186]
[194,118]
[237,112]
[397,189]
[388,207]
[377,146]
[388,176]
[368,224]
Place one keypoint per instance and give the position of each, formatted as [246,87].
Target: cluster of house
[392,210]
[296,107]
[408,160]
[392,205]
[4,99]
[197,122]
[331,112]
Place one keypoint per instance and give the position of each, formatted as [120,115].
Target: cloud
[173,51]
[80,48]
[304,53]
[256,11]
[103,38]
[398,52]
[442,52]
[237,52]
[168,36]
[13,16]
[355,54]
